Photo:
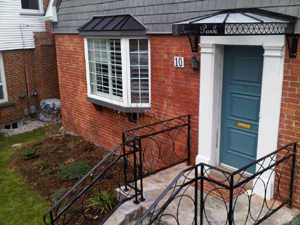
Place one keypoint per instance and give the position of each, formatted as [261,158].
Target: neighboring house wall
[14,22]
[34,58]
[174,91]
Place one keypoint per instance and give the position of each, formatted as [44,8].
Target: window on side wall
[118,71]
[3,93]
[32,7]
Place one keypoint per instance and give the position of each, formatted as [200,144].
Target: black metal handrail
[279,162]
[135,156]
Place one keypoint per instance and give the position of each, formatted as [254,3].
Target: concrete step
[237,178]
[126,214]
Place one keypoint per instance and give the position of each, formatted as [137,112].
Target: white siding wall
[11,23]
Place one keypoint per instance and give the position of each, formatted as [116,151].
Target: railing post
[125,163]
[136,201]
[51,218]
[196,195]
[230,213]
[141,169]
[189,140]
[292,176]
[201,195]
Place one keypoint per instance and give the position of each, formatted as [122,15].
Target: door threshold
[231,169]
[236,179]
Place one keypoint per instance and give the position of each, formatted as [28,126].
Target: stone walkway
[183,207]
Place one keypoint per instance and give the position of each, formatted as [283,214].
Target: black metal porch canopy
[113,25]
[234,22]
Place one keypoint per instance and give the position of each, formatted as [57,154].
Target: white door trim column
[206,103]
[211,74]
[269,113]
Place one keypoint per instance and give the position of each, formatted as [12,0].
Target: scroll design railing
[182,203]
[164,144]
[126,165]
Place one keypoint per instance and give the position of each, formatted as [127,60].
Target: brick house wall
[15,81]
[289,124]
[174,91]
[45,66]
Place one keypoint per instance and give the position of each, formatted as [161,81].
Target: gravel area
[28,126]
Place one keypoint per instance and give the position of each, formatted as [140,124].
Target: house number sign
[178,62]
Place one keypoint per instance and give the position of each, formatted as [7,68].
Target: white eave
[50,15]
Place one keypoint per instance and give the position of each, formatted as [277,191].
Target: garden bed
[43,172]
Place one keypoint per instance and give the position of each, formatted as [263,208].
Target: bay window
[118,73]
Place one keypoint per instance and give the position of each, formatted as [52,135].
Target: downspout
[25,66]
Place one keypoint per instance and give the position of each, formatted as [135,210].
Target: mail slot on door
[243,125]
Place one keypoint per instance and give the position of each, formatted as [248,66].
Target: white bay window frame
[125,100]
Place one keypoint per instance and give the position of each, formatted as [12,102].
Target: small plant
[75,170]
[29,153]
[41,164]
[103,201]
[57,194]
[47,171]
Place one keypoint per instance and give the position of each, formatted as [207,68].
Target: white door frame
[211,74]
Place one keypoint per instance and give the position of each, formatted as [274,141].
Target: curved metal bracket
[292,42]
[193,42]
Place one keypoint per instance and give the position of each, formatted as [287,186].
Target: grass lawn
[18,203]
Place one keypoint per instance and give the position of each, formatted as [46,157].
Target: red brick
[291,100]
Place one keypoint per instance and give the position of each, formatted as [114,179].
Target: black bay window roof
[113,25]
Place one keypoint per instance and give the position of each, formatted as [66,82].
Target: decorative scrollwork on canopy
[193,42]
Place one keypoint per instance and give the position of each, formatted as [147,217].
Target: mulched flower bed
[40,173]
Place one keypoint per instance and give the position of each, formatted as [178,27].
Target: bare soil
[54,152]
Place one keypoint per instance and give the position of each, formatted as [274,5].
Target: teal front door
[240,105]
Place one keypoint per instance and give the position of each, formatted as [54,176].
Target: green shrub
[57,194]
[41,163]
[29,153]
[103,201]
[47,171]
[75,170]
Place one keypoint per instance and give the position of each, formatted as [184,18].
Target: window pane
[139,71]
[14,125]
[134,45]
[144,59]
[134,59]
[105,60]
[97,44]
[91,56]
[30,4]
[90,44]
[1,92]
[144,45]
